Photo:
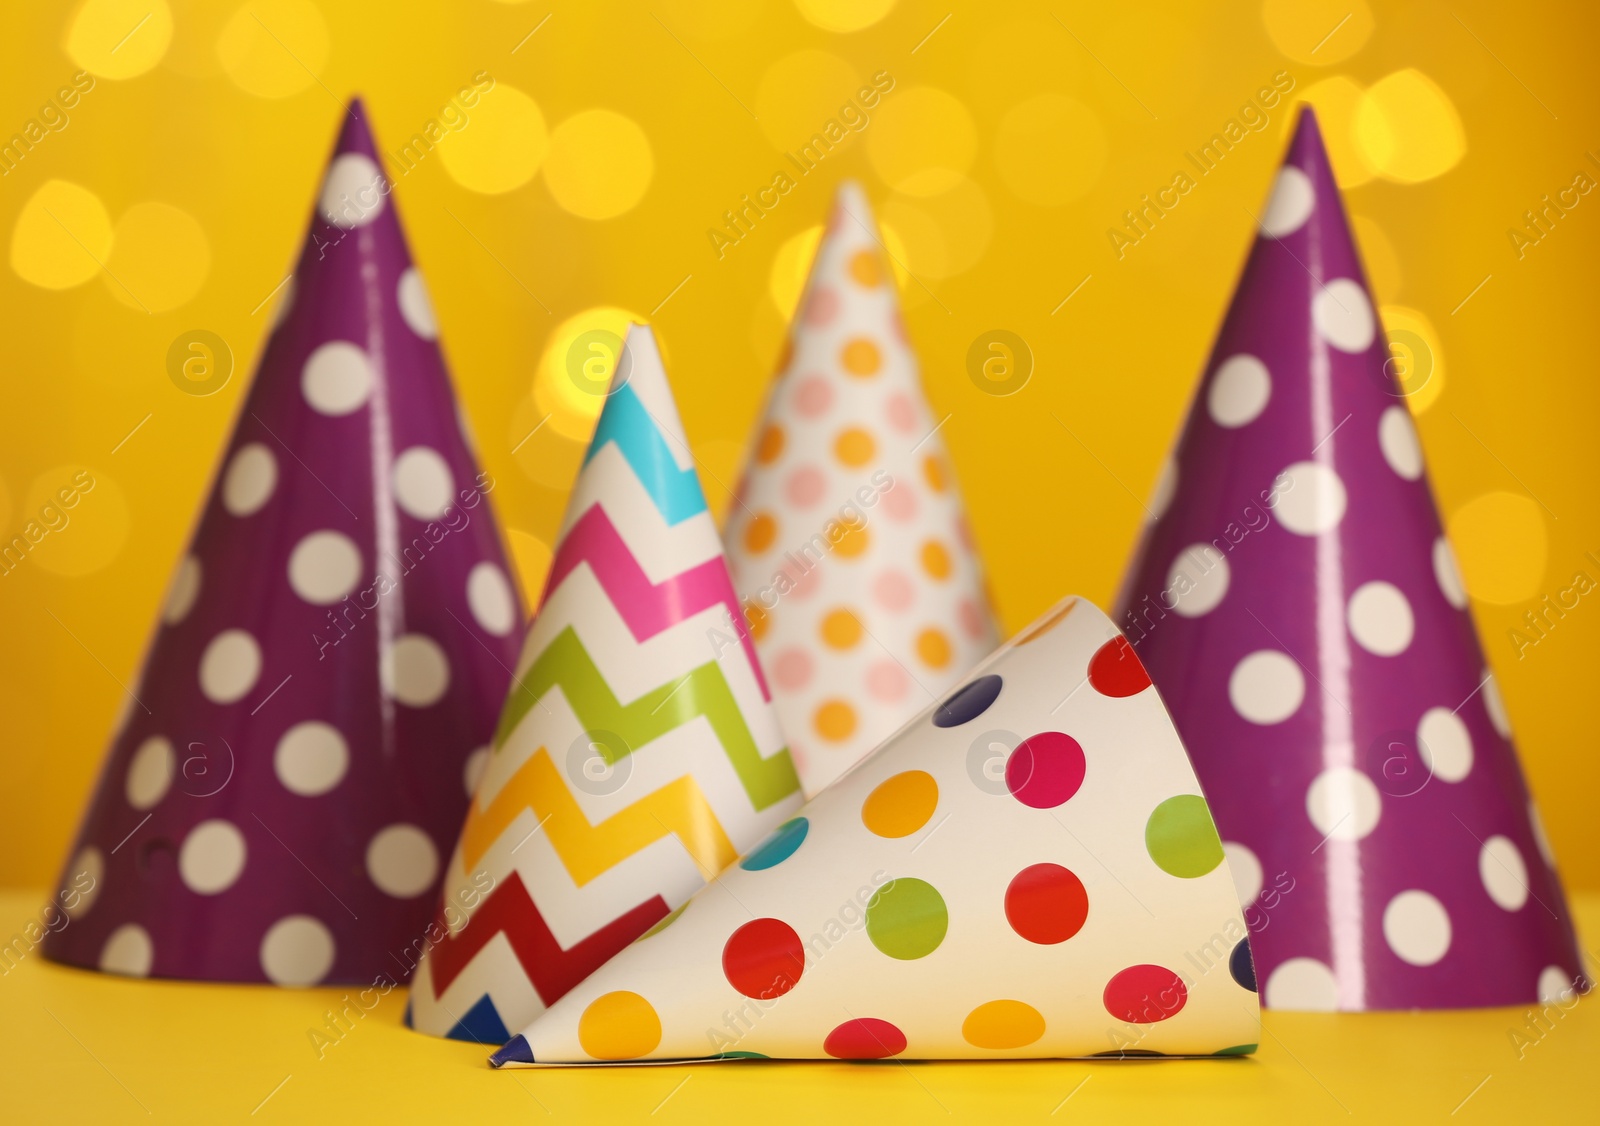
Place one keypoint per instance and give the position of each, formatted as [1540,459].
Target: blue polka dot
[777,848]
[1242,966]
[969,702]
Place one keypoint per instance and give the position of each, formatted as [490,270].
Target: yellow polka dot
[849,540]
[759,620]
[62,236]
[1408,129]
[1502,546]
[119,39]
[934,648]
[619,1026]
[159,258]
[790,267]
[866,269]
[76,519]
[600,164]
[770,448]
[933,471]
[861,356]
[1317,32]
[1050,149]
[844,15]
[530,558]
[579,358]
[936,560]
[901,805]
[503,147]
[1043,627]
[922,140]
[760,532]
[854,447]
[835,720]
[1002,1024]
[274,48]
[841,629]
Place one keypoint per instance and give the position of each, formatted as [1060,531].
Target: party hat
[1026,869]
[1300,608]
[849,546]
[331,654]
[638,754]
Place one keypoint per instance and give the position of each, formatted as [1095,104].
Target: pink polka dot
[964,532]
[792,669]
[813,395]
[901,412]
[1046,769]
[805,581]
[805,486]
[900,503]
[888,682]
[893,591]
[822,307]
[971,618]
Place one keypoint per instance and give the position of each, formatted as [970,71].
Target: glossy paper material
[638,754]
[279,800]
[849,546]
[1026,869]
[1300,608]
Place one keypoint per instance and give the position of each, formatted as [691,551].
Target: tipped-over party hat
[638,754]
[331,655]
[1026,869]
[849,545]
[1300,609]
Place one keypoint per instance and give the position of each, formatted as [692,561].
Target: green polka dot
[907,919]
[1237,1050]
[739,1056]
[1181,838]
[663,924]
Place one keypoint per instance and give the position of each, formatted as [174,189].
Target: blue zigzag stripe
[626,422]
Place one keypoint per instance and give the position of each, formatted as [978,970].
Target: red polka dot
[866,1039]
[1115,670]
[764,958]
[1045,769]
[1145,994]
[1046,903]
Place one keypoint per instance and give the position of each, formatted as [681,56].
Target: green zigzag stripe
[566,663]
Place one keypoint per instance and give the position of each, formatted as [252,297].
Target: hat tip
[516,1050]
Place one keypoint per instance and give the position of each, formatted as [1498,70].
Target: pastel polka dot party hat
[332,652]
[1300,608]
[849,546]
[1026,869]
[638,753]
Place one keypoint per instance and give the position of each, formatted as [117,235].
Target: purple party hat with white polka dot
[329,666]
[1299,607]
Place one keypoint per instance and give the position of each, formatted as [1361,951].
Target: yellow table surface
[86,1047]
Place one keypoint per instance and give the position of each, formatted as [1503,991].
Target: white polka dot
[337,379]
[1166,487]
[250,479]
[1302,985]
[149,773]
[402,861]
[1343,804]
[422,483]
[83,882]
[212,857]
[1314,500]
[1266,687]
[1445,744]
[185,590]
[1246,869]
[1495,704]
[1540,838]
[297,950]
[353,194]
[1417,927]
[472,772]
[489,596]
[280,311]
[415,304]
[324,567]
[1343,315]
[128,951]
[1239,391]
[1293,199]
[414,670]
[1504,875]
[1397,437]
[1380,618]
[1198,580]
[229,667]
[1448,574]
[1556,986]
[311,758]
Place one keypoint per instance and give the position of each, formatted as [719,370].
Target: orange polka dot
[934,648]
[933,470]
[835,720]
[861,357]
[901,805]
[866,269]
[758,620]
[849,540]
[1002,1025]
[936,560]
[770,446]
[854,447]
[619,1026]
[841,628]
[760,532]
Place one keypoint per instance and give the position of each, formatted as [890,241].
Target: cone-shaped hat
[1026,869]
[279,802]
[1299,606]
[850,547]
[638,754]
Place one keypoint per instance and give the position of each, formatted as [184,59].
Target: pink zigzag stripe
[648,607]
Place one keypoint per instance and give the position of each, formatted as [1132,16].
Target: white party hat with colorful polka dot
[849,545]
[638,753]
[1299,607]
[324,678]
[1026,869]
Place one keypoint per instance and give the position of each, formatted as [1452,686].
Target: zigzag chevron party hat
[850,548]
[327,668]
[638,754]
[1299,607]
[1026,869]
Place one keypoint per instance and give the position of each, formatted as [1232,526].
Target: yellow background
[1012,141]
